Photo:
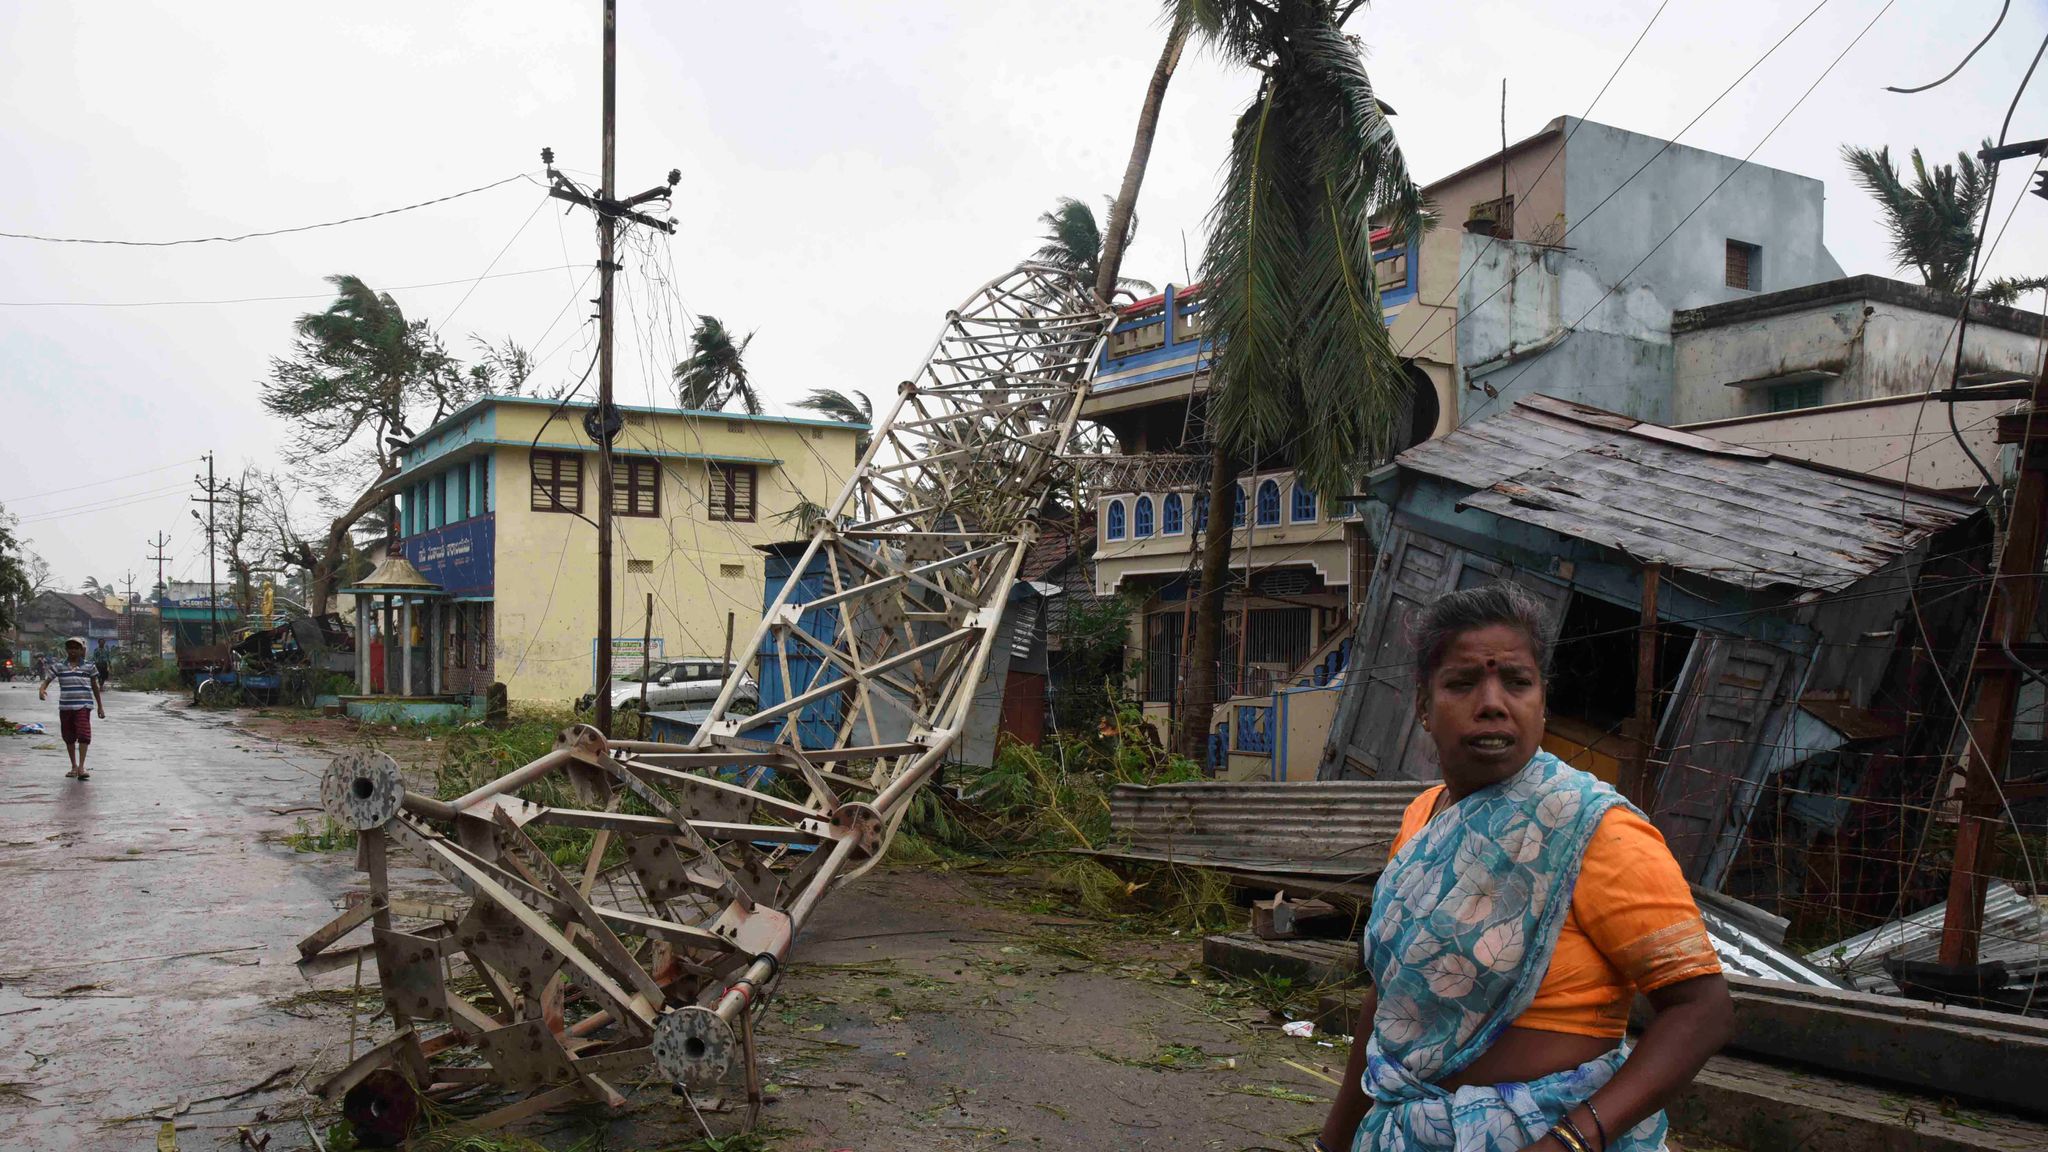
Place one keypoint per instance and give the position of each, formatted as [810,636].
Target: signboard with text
[627,657]
[457,557]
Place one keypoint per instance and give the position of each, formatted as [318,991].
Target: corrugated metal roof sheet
[2015,934]
[1733,513]
[1342,830]
[1325,828]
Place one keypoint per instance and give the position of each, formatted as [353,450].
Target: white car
[675,683]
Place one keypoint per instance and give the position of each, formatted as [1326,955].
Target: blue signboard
[457,557]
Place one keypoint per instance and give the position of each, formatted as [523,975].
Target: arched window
[1269,502]
[1170,515]
[1202,512]
[1304,510]
[1237,507]
[1113,529]
[1143,527]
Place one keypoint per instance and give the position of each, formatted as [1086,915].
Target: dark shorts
[76,724]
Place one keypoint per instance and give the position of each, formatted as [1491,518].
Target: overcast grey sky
[850,170]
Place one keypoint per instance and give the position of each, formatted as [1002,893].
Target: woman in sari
[1525,905]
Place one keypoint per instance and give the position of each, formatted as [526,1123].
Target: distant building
[1566,287]
[1496,296]
[497,504]
[1838,373]
[49,618]
[192,612]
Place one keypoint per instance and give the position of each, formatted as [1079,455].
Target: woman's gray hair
[1453,614]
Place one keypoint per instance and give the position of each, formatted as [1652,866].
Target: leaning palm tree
[850,407]
[1932,221]
[715,372]
[1303,368]
[1073,241]
[1123,210]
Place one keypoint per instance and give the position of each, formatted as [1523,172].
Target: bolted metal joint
[861,823]
[582,738]
[362,789]
[693,1048]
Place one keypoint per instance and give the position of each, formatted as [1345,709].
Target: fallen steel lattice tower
[708,859]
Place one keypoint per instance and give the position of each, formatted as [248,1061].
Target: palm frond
[2007,290]
[1073,240]
[1304,367]
[715,372]
[846,407]
[1932,223]
[1253,254]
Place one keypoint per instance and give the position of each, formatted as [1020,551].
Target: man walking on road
[78,696]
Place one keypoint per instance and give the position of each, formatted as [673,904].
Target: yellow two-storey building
[498,506]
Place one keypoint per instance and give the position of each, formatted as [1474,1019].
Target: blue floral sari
[1463,923]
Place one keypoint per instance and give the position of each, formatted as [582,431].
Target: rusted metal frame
[898,517]
[772,833]
[847,662]
[730,688]
[890,579]
[479,884]
[917,427]
[854,534]
[717,874]
[797,703]
[742,756]
[599,821]
[715,790]
[611,953]
[863,709]
[736,998]
[781,634]
[516,779]
[337,960]
[322,937]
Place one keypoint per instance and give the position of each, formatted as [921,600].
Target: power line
[260,299]
[103,504]
[100,483]
[1667,145]
[1494,394]
[270,232]
[1494,238]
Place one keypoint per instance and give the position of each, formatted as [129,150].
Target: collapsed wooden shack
[1780,720]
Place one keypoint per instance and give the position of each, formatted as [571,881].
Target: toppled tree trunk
[1191,734]
[325,570]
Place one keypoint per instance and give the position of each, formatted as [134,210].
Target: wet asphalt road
[147,923]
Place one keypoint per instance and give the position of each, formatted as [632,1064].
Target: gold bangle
[1569,1137]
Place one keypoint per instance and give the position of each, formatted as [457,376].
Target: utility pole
[603,423]
[2014,592]
[162,541]
[212,488]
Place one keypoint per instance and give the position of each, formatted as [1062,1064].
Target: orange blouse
[1633,927]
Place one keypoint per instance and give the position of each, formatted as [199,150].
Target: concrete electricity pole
[213,489]
[162,541]
[604,422]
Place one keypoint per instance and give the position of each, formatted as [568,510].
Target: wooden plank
[1991,1057]
[1766,1107]
[1308,963]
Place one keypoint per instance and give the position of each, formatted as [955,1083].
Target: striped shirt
[74,685]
